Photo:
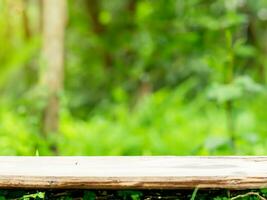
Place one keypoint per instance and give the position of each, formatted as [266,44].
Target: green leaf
[224,92]
[194,194]
[39,195]
[264,191]
[248,84]
[89,195]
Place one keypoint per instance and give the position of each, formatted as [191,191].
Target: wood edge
[133,183]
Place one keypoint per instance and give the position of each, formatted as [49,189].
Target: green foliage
[88,195]
[255,194]
[38,195]
[16,138]
[21,195]
[240,88]
[127,194]
[194,194]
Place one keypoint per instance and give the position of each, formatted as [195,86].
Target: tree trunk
[41,15]
[94,9]
[132,6]
[54,21]
[25,20]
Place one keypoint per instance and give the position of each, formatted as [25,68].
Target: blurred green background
[141,77]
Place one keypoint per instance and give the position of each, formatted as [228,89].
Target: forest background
[133,77]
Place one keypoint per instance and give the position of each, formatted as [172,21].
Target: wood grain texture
[133,172]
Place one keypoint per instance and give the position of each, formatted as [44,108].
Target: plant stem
[231,124]
[242,196]
[229,77]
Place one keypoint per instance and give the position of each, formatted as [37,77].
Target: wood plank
[133,172]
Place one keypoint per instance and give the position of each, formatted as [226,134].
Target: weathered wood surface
[133,172]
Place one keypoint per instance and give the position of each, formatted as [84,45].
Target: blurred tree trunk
[94,9]
[30,68]
[132,6]
[256,39]
[41,14]
[25,20]
[54,21]
[8,27]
